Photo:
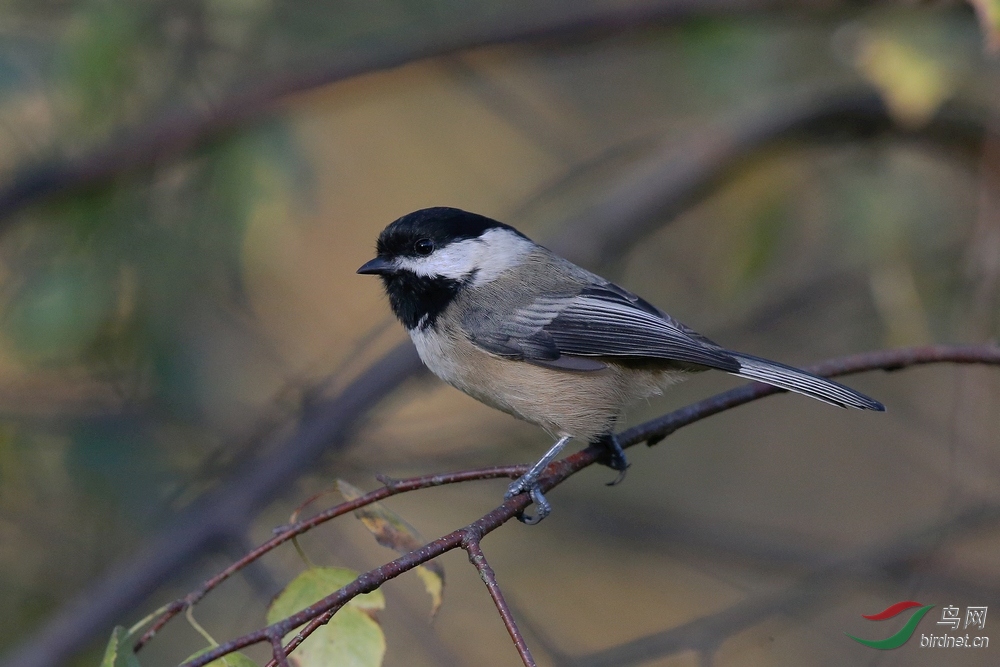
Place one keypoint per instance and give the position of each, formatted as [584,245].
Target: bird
[526,331]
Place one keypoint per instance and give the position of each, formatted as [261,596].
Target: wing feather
[604,323]
[601,321]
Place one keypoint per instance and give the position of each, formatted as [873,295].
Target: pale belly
[584,405]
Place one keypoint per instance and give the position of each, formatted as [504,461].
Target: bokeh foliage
[152,322]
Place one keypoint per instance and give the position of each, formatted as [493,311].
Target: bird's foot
[528,482]
[535,493]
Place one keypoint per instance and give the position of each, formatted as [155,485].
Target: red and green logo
[905,632]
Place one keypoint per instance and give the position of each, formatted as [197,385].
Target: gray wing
[601,321]
[606,323]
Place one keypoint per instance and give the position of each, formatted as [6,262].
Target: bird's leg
[529,482]
[615,458]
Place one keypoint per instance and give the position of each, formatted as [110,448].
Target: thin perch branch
[559,471]
[888,360]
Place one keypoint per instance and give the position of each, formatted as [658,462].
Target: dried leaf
[352,638]
[392,531]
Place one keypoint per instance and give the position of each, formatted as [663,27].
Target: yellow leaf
[392,531]
[912,82]
[433,577]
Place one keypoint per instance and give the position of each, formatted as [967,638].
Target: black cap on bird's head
[420,233]
[425,257]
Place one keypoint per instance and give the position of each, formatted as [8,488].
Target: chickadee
[525,331]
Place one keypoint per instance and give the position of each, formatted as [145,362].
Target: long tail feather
[793,379]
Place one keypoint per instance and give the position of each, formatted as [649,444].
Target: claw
[543,505]
[519,485]
[544,508]
[621,475]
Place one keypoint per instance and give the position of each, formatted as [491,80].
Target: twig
[489,577]
[561,470]
[300,637]
[371,580]
[286,533]
[651,431]
[278,651]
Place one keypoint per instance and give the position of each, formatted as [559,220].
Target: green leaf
[104,55]
[230,660]
[59,309]
[315,584]
[119,651]
[352,638]
[392,531]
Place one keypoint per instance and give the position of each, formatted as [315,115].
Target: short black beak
[377,266]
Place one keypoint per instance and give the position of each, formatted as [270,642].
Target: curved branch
[651,432]
[559,471]
[170,136]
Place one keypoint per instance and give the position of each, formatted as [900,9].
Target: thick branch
[682,173]
[176,134]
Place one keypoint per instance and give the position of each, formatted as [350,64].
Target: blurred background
[187,188]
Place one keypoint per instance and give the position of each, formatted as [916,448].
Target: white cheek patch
[487,256]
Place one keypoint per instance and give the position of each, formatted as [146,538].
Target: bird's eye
[424,247]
